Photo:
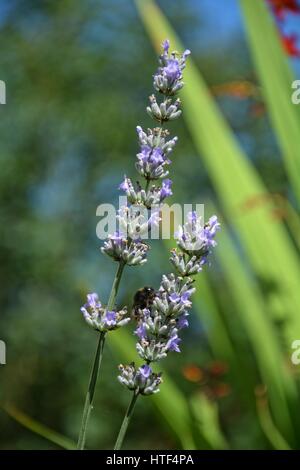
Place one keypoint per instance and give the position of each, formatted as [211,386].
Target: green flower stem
[115,286]
[88,405]
[126,421]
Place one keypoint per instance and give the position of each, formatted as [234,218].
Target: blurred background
[78,75]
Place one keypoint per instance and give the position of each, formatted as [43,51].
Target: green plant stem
[115,286]
[126,422]
[88,405]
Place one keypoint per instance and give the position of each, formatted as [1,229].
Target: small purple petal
[184,300]
[172,344]
[156,156]
[124,186]
[139,130]
[141,331]
[93,300]
[166,45]
[166,189]
[145,371]
[174,297]
[192,217]
[154,218]
[182,321]
[172,70]
[110,318]
[117,238]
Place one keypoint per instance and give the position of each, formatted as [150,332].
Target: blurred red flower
[290,45]
[281,7]
[209,378]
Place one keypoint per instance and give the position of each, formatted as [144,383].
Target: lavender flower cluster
[158,325]
[141,379]
[136,219]
[195,241]
[100,318]
[152,164]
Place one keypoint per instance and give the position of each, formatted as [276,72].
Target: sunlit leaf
[276,77]
[207,419]
[39,428]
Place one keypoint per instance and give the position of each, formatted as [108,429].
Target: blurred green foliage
[78,75]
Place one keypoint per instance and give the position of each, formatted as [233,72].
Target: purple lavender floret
[195,241]
[142,380]
[166,46]
[118,247]
[152,156]
[172,71]
[210,230]
[92,302]
[173,342]
[166,190]
[185,299]
[182,321]
[141,331]
[152,197]
[98,317]
[157,137]
[151,163]
[175,297]
[168,78]
[145,371]
[110,319]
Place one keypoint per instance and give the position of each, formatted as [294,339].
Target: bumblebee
[143,298]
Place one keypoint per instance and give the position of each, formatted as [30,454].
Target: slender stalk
[88,405]
[126,422]
[115,286]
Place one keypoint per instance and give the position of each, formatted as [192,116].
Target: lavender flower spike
[168,78]
[157,331]
[195,241]
[159,325]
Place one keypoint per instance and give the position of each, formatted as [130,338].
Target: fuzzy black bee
[143,298]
